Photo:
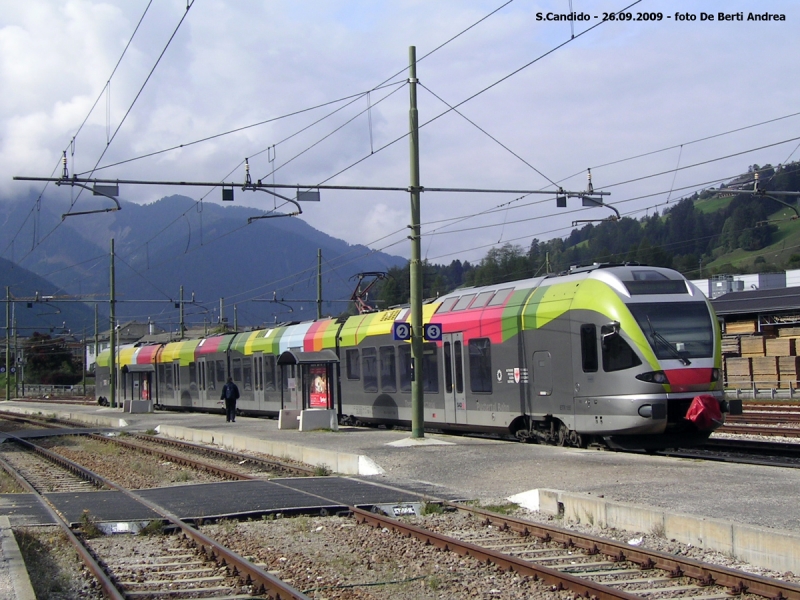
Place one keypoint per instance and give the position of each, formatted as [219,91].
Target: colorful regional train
[628,355]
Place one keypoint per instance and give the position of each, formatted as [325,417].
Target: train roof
[627,277]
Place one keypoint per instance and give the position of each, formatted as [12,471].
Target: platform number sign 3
[433,332]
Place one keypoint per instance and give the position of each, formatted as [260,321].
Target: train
[624,355]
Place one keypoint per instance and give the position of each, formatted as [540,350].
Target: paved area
[471,467]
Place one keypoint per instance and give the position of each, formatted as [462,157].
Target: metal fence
[763,389]
[40,391]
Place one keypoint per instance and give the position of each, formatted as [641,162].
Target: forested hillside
[701,235]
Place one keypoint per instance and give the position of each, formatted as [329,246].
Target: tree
[50,362]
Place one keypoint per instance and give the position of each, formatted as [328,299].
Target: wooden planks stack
[765,369]
[739,372]
[766,360]
[789,371]
[755,345]
[741,327]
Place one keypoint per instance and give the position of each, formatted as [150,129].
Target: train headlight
[653,377]
[714,375]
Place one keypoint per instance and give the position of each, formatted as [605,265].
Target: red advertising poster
[319,387]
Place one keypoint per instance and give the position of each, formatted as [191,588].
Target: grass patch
[154,527]
[89,527]
[431,508]
[322,471]
[151,432]
[8,485]
[49,559]
[506,508]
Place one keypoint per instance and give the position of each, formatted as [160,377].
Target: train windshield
[679,330]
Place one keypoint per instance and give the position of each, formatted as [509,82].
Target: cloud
[622,89]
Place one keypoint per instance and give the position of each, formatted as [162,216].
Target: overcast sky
[614,91]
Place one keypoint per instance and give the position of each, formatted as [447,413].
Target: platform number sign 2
[401,332]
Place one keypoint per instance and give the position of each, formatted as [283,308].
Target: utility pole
[96,344]
[180,335]
[415,270]
[319,283]
[84,362]
[8,342]
[16,362]
[235,319]
[112,337]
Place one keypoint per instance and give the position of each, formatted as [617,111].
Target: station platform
[746,510]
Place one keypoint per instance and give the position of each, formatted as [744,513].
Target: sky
[316,92]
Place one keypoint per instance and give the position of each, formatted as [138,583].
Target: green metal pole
[84,362]
[16,361]
[417,398]
[319,283]
[8,343]
[180,334]
[112,337]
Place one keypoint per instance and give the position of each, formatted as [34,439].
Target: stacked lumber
[753,346]
[789,371]
[741,327]
[765,369]
[789,332]
[730,345]
[781,346]
[739,372]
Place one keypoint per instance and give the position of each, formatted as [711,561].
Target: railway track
[587,565]
[188,563]
[185,564]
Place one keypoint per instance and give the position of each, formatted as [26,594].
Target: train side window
[617,354]
[430,368]
[463,302]
[404,357]
[501,296]
[162,378]
[459,358]
[177,375]
[220,371]
[247,374]
[168,378]
[447,305]
[589,348]
[236,368]
[388,369]
[448,367]
[193,374]
[482,299]
[480,365]
[353,364]
[269,373]
[369,369]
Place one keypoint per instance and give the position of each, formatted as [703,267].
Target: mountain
[44,316]
[207,248]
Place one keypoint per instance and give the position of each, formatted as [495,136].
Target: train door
[176,381]
[258,379]
[455,400]
[202,379]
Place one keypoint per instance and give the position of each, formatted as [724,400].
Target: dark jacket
[234,391]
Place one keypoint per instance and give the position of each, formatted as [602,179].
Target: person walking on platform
[230,393]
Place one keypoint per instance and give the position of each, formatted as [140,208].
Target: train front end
[660,360]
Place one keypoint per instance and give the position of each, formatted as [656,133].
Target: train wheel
[563,434]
